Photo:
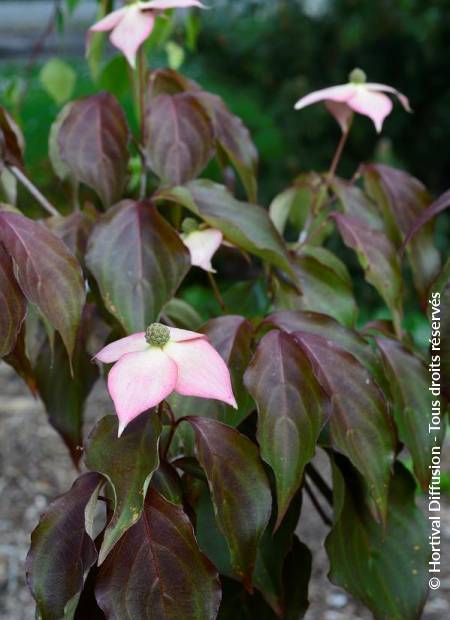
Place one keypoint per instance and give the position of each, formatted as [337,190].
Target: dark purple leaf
[61,550]
[93,144]
[239,488]
[138,261]
[439,205]
[157,570]
[378,257]
[402,200]
[48,274]
[64,388]
[384,567]
[321,325]
[233,139]
[13,305]
[409,380]
[128,463]
[360,424]
[11,141]
[292,409]
[179,138]
[169,82]
[245,225]
[356,203]
[74,230]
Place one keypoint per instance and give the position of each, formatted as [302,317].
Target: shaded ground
[34,468]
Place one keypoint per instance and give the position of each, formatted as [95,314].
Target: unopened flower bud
[357,76]
[157,335]
[189,225]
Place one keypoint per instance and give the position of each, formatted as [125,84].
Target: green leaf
[245,225]
[402,200]
[64,389]
[385,568]
[233,140]
[292,408]
[239,488]
[92,142]
[128,463]
[47,273]
[410,382]
[138,261]
[157,571]
[379,259]
[325,286]
[357,203]
[231,337]
[13,305]
[297,204]
[360,424]
[62,551]
[182,314]
[179,138]
[58,79]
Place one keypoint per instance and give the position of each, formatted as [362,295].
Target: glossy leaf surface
[378,257]
[128,463]
[239,489]
[292,409]
[360,423]
[325,286]
[245,225]
[48,274]
[138,261]
[387,569]
[157,571]
[179,138]
[64,390]
[410,382]
[403,199]
[61,550]
[92,143]
[13,305]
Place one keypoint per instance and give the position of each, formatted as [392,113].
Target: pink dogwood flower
[151,365]
[201,243]
[366,98]
[133,23]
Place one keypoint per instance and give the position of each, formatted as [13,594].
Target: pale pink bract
[132,24]
[144,374]
[202,245]
[365,98]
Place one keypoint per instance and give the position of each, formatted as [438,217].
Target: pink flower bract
[145,374]
[357,96]
[133,23]
[202,245]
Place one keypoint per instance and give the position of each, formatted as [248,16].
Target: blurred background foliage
[260,56]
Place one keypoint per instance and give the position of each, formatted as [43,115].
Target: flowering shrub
[196,478]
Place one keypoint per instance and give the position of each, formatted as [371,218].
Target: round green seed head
[157,335]
[357,76]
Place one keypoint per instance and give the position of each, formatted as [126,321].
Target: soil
[35,468]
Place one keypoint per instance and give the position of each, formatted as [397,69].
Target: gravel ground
[34,469]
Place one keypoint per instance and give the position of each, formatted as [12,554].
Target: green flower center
[157,335]
[357,76]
